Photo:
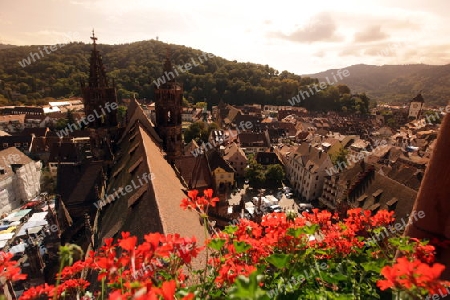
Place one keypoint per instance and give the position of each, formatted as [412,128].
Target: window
[17,145]
[317,177]
[5,145]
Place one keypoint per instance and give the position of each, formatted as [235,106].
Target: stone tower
[168,106]
[415,107]
[100,101]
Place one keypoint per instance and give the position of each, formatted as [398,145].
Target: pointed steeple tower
[100,100]
[168,67]
[97,73]
[168,106]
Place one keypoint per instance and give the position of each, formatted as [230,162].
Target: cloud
[319,53]
[390,49]
[353,50]
[370,34]
[321,28]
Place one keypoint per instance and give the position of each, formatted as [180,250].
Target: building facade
[19,179]
[306,170]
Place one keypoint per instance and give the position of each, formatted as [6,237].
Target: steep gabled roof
[216,161]
[249,139]
[194,171]
[152,206]
[233,149]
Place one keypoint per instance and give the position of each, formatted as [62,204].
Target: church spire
[97,95]
[97,73]
[93,38]
[168,65]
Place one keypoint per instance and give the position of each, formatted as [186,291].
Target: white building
[19,179]
[306,170]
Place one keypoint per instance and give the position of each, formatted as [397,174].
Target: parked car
[274,208]
[286,189]
[305,207]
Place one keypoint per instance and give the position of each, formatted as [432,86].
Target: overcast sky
[287,35]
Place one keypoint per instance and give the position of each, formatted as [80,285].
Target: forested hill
[6,46]
[135,66]
[398,83]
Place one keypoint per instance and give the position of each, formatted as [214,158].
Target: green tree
[255,175]
[186,103]
[60,124]
[274,175]
[121,113]
[70,118]
[199,131]
[340,156]
[343,89]
[201,104]
[48,183]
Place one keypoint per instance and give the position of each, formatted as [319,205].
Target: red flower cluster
[9,269]
[277,233]
[409,275]
[152,269]
[155,269]
[201,204]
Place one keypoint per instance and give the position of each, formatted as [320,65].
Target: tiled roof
[216,161]
[194,171]
[378,189]
[158,208]
[265,158]
[76,184]
[253,138]
[190,147]
[11,156]
[64,152]
[232,149]
[310,157]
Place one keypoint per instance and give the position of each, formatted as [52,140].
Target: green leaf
[373,266]
[248,288]
[334,278]
[241,246]
[230,229]
[216,244]
[279,260]
[295,232]
[310,229]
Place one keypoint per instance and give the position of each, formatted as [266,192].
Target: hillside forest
[134,67]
